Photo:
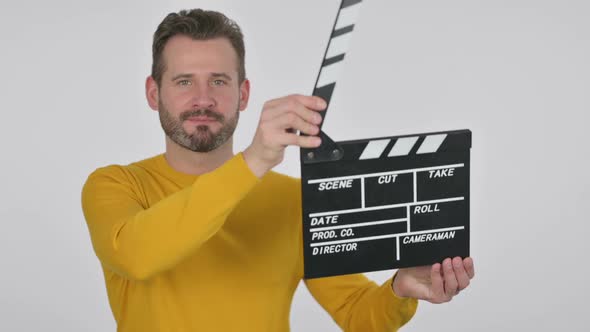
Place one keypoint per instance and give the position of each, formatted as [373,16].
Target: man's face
[199,96]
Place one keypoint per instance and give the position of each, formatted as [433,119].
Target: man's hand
[279,121]
[437,283]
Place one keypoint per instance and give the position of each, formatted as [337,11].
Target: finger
[301,141]
[460,273]
[292,121]
[449,278]
[312,102]
[277,109]
[469,267]
[437,283]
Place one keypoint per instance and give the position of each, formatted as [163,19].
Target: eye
[218,82]
[184,83]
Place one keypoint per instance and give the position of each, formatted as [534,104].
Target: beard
[202,139]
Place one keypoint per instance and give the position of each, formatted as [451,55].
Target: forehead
[183,54]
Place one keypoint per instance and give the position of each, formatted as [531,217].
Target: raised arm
[138,242]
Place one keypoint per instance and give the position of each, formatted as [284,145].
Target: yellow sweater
[217,252]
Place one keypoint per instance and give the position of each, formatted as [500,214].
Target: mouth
[201,119]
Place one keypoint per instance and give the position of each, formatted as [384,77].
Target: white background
[517,73]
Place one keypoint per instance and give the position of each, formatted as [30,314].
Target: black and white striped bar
[340,40]
[387,203]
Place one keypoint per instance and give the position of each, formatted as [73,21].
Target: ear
[151,93]
[244,94]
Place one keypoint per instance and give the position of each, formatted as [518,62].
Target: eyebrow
[223,75]
[214,75]
[182,76]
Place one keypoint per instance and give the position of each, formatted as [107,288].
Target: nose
[202,97]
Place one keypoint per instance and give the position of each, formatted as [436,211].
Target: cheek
[175,102]
[227,98]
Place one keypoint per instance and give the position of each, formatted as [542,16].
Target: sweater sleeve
[138,242]
[358,304]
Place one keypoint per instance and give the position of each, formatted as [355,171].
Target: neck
[197,163]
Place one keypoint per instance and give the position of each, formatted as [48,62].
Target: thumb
[436,280]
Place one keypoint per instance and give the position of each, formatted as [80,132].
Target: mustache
[202,112]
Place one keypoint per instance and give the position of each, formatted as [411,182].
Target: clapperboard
[381,203]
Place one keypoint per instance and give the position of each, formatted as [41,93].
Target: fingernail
[322,103]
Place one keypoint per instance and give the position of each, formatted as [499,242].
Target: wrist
[395,286]
[256,165]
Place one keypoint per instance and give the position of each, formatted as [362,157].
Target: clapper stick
[381,203]
[332,65]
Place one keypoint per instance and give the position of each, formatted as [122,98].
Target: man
[202,239]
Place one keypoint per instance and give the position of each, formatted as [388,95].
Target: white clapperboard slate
[381,203]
